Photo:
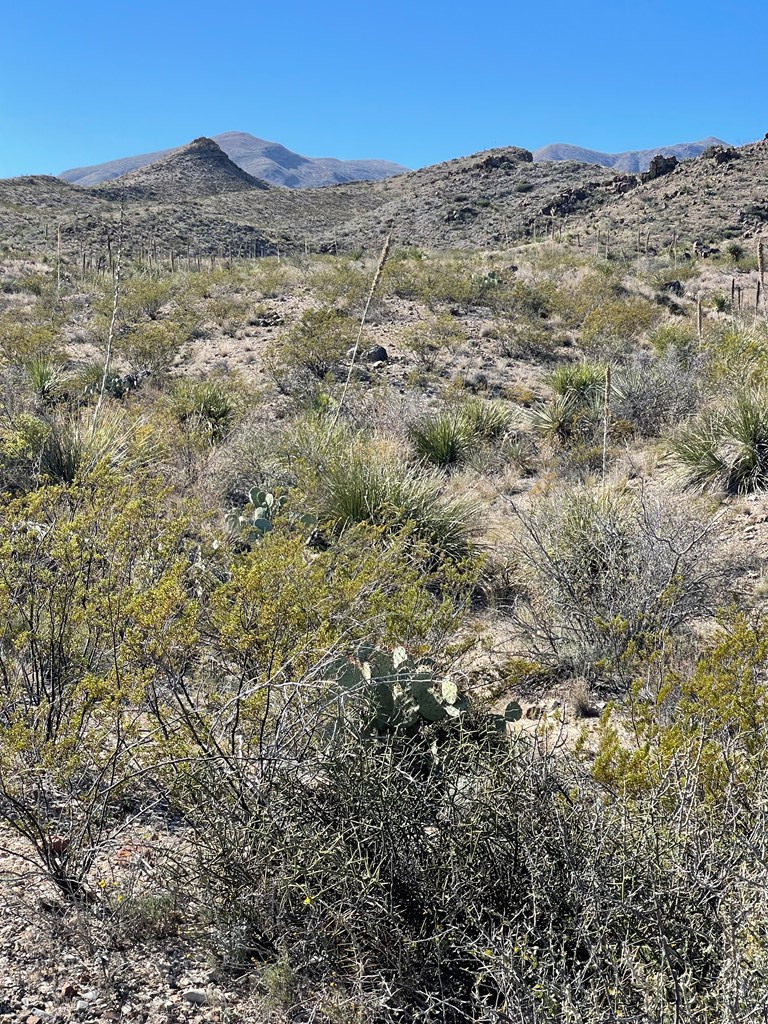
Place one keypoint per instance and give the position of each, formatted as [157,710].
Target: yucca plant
[450,438]
[726,449]
[211,405]
[48,379]
[578,405]
[486,420]
[364,488]
[74,445]
[444,440]
[584,381]
[564,417]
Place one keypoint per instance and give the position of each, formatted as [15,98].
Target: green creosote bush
[523,339]
[316,345]
[22,341]
[431,340]
[142,297]
[735,356]
[79,565]
[340,284]
[444,280]
[678,337]
[151,346]
[611,325]
[712,714]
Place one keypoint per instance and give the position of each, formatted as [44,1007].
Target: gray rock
[378,354]
[196,996]
[659,166]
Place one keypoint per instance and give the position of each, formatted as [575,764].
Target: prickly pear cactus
[402,693]
[512,713]
[255,519]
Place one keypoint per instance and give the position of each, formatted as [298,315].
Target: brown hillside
[195,171]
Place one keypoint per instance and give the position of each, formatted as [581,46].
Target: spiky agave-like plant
[725,449]
[366,488]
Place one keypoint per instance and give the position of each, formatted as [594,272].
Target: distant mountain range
[273,163]
[266,160]
[632,162]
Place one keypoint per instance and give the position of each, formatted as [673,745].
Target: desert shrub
[142,297]
[151,346]
[680,338]
[316,345]
[342,285]
[617,321]
[735,355]
[21,443]
[574,301]
[725,448]
[652,393]
[711,714]
[463,876]
[76,563]
[523,339]
[444,280]
[430,340]
[610,575]
[22,341]
[273,278]
[229,311]
[529,301]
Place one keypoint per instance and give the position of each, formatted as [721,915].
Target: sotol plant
[725,449]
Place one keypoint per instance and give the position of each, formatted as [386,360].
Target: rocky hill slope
[197,201]
[268,160]
[196,171]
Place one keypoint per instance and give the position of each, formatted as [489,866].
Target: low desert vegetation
[423,658]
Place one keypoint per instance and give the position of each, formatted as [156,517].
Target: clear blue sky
[415,81]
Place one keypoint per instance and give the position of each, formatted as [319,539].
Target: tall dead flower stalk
[371,292]
[606,417]
[113,320]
